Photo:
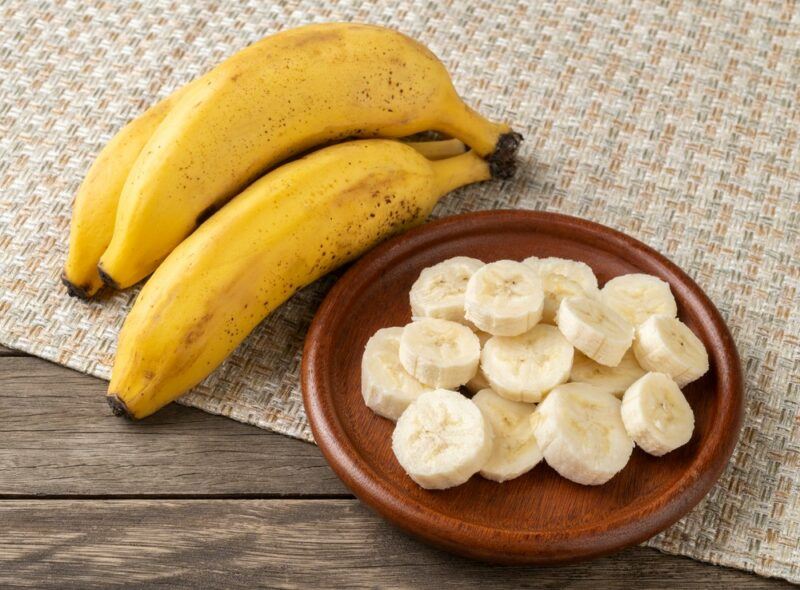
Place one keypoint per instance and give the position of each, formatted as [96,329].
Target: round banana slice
[479,381]
[439,290]
[504,298]
[515,450]
[524,368]
[442,439]
[666,345]
[596,330]
[657,415]
[580,432]
[439,353]
[562,278]
[614,380]
[636,297]
[387,387]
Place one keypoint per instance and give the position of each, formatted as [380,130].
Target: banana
[279,97]
[524,368]
[439,353]
[636,297]
[596,330]
[96,201]
[657,415]
[294,225]
[442,439]
[439,290]
[613,380]
[504,298]
[580,431]
[515,450]
[479,381]
[562,278]
[387,388]
[666,345]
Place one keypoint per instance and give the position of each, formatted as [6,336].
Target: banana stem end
[118,407]
[79,291]
[503,160]
[107,279]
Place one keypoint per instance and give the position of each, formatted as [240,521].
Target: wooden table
[186,499]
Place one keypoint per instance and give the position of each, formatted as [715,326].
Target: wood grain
[282,544]
[58,437]
[540,517]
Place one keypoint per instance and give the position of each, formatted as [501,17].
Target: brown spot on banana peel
[503,160]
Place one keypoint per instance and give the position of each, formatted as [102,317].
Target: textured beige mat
[675,122]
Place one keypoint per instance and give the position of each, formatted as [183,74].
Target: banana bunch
[173,167]
[518,334]
[193,192]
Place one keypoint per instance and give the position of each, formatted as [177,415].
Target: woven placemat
[674,122]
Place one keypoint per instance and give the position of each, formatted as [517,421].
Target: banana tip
[118,406]
[503,160]
[107,279]
[73,290]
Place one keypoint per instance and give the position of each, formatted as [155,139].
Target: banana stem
[457,171]
[436,150]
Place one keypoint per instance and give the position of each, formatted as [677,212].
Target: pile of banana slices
[559,369]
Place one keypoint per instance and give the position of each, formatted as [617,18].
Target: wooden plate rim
[502,545]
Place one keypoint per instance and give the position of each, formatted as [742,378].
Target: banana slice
[580,431]
[636,297]
[524,368]
[515,450]
[665,344]
[439,290]
[387,387]
[562,278]
[439,353]
[442,439]
[504,298]
[614,380]
[479,381]
[596,330]
[657,415]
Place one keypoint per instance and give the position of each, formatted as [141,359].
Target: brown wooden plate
[540,517]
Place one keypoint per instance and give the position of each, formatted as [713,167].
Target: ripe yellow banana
[95,204]
[281,96]
[292,226]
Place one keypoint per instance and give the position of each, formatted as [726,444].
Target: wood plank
[59,438]
[5,351]
[283,544]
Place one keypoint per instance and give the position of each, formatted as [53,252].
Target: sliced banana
[387,387]
[614,380]
[562,278]
[504,298]
[657,415]
[596,330]
[479,381]
[580,431]
[524,368]
[439,353]
[665,344]
[442,439]
[439,290]
[515,450]
[636,297]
